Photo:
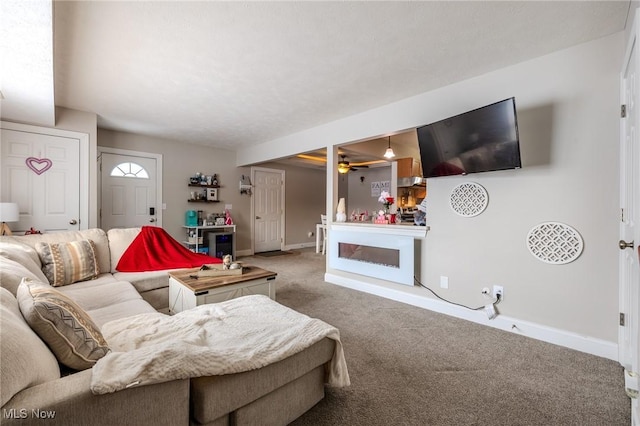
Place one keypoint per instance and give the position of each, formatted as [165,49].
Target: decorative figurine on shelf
[341,215]
[420,215]
[381,218]
[227,217]
[214,181]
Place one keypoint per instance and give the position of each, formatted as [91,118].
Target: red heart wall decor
[38,165]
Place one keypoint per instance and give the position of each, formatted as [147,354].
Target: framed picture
[212,194]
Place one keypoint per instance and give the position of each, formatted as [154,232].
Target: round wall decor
[469,199]
[555,243]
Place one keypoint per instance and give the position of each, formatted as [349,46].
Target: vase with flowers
[387,200]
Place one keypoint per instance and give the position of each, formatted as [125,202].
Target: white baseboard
[544,333]
[249,252]
[299,246]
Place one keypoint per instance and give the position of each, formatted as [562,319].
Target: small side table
[187,291]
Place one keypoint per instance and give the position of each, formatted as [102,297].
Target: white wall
[569,127]
[568,112]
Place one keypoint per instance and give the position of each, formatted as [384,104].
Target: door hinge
[622,215]
[622,319]
[623,111]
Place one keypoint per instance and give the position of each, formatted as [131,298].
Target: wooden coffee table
[187,291]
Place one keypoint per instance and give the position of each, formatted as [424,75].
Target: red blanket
[154,249]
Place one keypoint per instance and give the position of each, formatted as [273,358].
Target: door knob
[258,217]
[623,244]
[73,222]
[153,219]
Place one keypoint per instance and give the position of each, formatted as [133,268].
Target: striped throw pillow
[68,263]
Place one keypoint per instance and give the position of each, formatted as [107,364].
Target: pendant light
[389,152]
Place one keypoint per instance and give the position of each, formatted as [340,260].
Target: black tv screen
[482,140]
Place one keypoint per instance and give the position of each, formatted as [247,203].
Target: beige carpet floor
[411,366]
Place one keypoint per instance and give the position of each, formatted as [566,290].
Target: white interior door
[128,191]
[629,334]
[268,206]
[41,173]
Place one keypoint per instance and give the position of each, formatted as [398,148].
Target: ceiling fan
[345,167]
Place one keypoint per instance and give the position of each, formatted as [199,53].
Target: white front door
[129,191]
[268,206]
[41,173]
[629,285]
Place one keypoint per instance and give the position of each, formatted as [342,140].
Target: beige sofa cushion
[12,273]
[68,330]
[23,254]
[68,263]
[100,294]
[145,281]
[98,236]
[119,241]
[26,360]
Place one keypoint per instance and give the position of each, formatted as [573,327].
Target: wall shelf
[197,185]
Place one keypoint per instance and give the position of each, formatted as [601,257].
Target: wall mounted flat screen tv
[482,140]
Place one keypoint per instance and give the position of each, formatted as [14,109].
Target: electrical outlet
[444,282]
[498,290]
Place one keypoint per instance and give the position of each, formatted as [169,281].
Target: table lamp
[9,212]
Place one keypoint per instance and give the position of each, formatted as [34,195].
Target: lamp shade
[9,212]
[389,152]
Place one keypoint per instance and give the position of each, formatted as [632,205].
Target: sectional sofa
[37,382]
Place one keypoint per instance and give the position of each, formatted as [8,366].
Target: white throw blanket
[230,337]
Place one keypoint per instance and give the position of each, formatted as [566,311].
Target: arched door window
[131,170]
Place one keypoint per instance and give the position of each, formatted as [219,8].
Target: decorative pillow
[70,333]
[68,263]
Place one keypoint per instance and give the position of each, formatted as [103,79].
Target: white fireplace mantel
[396,229]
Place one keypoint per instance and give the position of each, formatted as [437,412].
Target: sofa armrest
[69,401]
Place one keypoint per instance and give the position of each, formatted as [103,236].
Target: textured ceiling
[232,74]
[26,62]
